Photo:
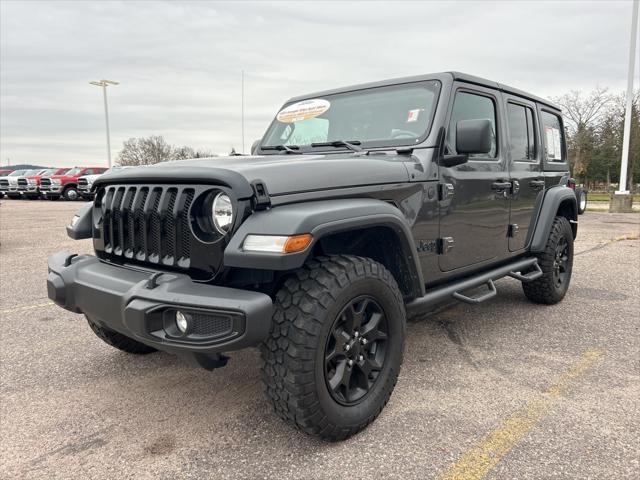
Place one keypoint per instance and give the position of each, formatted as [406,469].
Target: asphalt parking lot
[505,390]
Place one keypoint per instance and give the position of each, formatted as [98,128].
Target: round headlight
[222,213]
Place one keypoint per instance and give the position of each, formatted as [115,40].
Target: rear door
[525,172]
[474,205]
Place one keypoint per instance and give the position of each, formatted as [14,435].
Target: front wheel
[335,348]
[71,194]
[556,263]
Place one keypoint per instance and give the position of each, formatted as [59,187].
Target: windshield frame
[387,144]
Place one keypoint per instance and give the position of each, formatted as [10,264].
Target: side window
[522,139]
[469,106]
[553,137]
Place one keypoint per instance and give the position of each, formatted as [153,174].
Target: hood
[59,177]
[91,178]
[282,174]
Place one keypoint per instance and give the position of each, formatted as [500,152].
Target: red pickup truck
[29,184]
[66,185]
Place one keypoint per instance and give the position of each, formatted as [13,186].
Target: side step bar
[455,289]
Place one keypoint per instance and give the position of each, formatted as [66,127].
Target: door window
[553,137]
[522,139]
[469,106]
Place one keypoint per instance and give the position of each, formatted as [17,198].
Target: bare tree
[584,111]
[582,115]
[154,149]
[184,153]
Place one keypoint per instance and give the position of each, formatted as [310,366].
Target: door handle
[500,185]
[537,184]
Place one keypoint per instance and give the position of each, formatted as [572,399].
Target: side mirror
[254,146]
[474,136]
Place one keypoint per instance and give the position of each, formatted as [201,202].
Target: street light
[104,84]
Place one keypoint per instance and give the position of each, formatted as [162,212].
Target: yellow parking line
[27,307]
[479,460]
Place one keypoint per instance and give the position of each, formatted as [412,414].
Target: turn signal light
[297,243]
[277,243]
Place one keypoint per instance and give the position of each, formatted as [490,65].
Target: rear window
[553,136]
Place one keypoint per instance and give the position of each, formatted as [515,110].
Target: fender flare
[320,218]
[553,199]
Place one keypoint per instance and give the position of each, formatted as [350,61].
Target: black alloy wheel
[356,350]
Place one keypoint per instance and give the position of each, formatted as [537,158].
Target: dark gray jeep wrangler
[359,207]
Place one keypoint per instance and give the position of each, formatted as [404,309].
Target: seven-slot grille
[147,223]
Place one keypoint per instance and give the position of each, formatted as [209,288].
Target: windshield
[17,173]
[49,171]
[73,171]
[377,117]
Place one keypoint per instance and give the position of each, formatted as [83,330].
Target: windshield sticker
[303,110]
[413,115]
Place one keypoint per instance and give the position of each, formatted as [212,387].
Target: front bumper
[140,304]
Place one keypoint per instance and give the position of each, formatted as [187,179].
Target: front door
[474,206]
[524,168]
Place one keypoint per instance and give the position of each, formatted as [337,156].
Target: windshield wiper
[351,145]
[286,148]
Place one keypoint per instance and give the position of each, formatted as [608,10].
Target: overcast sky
[179,64]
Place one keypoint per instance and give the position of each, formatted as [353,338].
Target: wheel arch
[365,227]
[558,201]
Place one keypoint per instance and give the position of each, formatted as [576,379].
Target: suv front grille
[82,182]
[4,183]
[22,182]
[155,226]
[143,223]
[45,182]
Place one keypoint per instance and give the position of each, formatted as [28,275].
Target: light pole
[621,200]
[104,84]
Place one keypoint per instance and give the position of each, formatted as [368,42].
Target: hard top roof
[463,77]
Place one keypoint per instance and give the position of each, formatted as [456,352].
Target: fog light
[182,322]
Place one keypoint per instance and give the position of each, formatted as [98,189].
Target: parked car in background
[29,184]
[85,183]
[4,173]
[66,185]
[9,184]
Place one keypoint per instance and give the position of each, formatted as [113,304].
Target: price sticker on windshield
[303,110]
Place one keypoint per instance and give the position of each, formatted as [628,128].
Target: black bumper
[141,305]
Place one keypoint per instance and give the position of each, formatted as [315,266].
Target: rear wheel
[556,263]
[335,347]
[119,341]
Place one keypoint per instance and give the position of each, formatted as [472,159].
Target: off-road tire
[305,311]
[545,289]
[119,341]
